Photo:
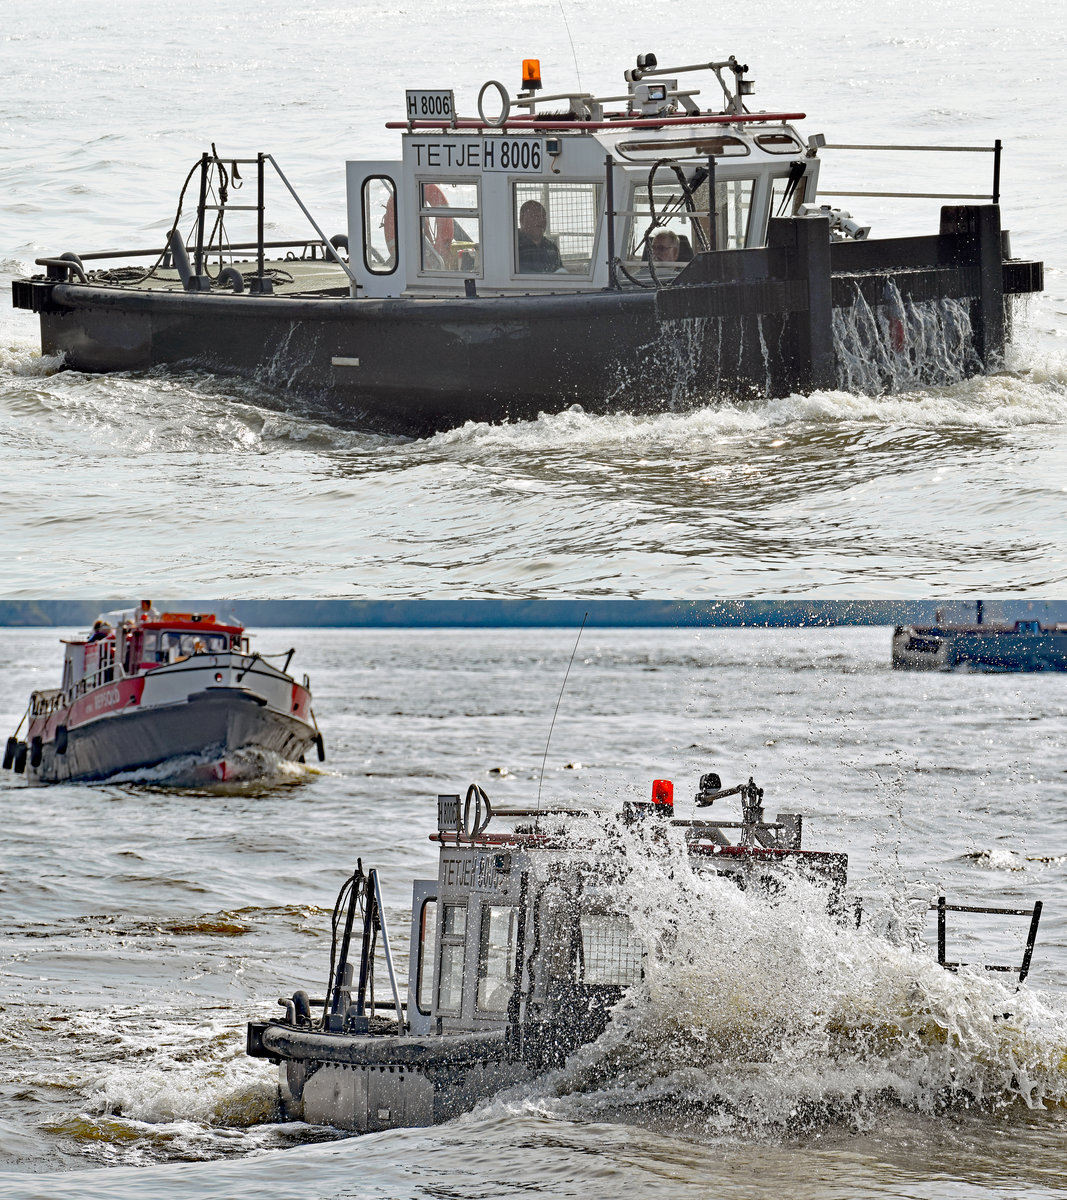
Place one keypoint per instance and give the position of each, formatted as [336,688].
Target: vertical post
[996,171]
[365,964]
[609,209]
[941,931]
[342,960]
[199,267]
[805,362]
[978,251]
[713,216]
[1031,939]
[259,231]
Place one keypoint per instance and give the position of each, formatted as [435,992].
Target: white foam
[767,1012]
[242,766]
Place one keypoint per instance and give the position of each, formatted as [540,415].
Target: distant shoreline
[433,614]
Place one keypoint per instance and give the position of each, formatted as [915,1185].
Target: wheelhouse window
[174,645]
[733,206]
[676,225]
[611,953]
[719,145]
[785,202]
[450,227]
[450,975]
[424,982]
[778,143]
[378,199]
[555,227]
[496,956]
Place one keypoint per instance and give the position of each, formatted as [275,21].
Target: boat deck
[289,276]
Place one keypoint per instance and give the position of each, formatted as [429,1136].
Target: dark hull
[366,1084]
[734,323]
[982,650]
[219,722]
[424,365]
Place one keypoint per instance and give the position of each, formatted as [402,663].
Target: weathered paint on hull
[734,322]
[423,366]
[203,725]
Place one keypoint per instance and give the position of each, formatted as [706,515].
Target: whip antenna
[552,724]
[576,71]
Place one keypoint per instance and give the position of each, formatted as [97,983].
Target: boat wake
[1031,395]
[764,1016]
[237,770]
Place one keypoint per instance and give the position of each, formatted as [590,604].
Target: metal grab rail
[327,244]
[942,907]
[996,150]
[103,255]
[260,284]
[919,195]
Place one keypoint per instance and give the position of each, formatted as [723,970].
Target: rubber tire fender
[302,1005]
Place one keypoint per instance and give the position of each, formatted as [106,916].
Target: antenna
[579,74]
[552,725]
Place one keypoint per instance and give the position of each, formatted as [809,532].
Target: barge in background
[632,251]
[981,646]
[145,688]
[520,950]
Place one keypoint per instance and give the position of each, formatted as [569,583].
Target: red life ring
[443,229]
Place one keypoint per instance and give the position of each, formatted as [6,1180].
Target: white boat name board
[516,155]
[422,104]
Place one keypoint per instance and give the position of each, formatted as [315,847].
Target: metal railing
[204,246]
[260,161]
[942,907]
[993,196]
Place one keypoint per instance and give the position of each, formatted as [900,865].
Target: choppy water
[193,480]
[771,1053]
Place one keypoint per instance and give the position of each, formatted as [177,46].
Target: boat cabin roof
[526,201]
[192,622]
[161,622]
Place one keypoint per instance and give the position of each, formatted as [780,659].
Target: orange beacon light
[531,75]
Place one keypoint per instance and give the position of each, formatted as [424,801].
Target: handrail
[100,255]
[621,122]
[372,876]
[942,907]
[949,149]
[327,244]
[996,150]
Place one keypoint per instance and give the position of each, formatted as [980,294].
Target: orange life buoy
[444,227]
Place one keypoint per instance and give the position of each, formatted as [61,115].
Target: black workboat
[632,251]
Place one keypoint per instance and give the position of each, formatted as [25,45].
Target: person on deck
[147,613]
[665,246]
[101,629]
[536,252]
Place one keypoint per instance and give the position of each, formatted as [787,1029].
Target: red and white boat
[145,688]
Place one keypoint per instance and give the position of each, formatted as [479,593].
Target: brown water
[142,927]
